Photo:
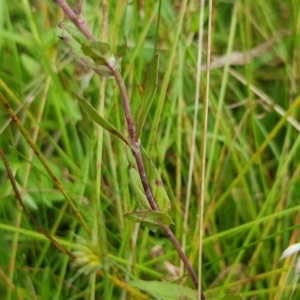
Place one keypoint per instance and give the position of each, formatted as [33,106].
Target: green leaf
[70,34]
[137,188]
[94,115]
[122,49]
[147,98]
[101,54]
[95,55]
[155,182]
[165,290]
[151,219]
[232,297]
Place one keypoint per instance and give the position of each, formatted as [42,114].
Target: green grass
[252,186]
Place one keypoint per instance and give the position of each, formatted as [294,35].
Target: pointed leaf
[101,54]
[94,115]
[91,53]
[156,184]
[137,188]
[147,98]
[122,49]
[70,34]
[98,51]
[165,290]
[151,219]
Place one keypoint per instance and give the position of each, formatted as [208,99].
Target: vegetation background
[252,186]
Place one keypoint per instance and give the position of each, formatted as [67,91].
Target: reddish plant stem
[135,146]
[183,257]
[137,154]
[139,161]
[129,122]
[75,18]
[131,130]
[27,212]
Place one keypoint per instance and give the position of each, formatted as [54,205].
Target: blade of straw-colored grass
[179,132]
[266,99]
[193,138]
[204,130]
[14,248]
[99,230]
[43,161]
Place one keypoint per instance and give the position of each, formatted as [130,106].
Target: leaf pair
[98,56]
[151,219]
[93,54]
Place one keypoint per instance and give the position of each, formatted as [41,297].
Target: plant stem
[75,18]
[137,154]
[44,162]
[135,145]
[130,126]
[137,294]
[131,130]
[204,134]
[27,212]
[183,257]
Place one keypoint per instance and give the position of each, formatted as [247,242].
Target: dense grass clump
[79,191]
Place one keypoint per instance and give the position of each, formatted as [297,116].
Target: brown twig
[43,161]
[27,212]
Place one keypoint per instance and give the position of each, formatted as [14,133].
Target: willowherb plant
[145,180]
